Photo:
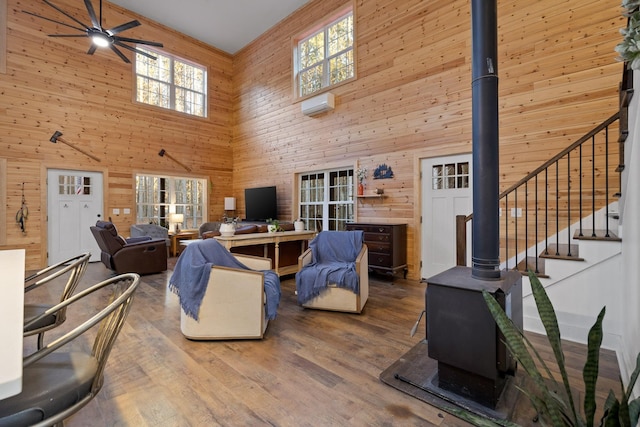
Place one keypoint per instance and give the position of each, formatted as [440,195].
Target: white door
[74,203]
[446,192]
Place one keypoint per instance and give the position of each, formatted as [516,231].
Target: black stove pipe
[485,256]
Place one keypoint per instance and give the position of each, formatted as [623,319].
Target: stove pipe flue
[485,256]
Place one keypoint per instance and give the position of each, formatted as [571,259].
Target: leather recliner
[142,255]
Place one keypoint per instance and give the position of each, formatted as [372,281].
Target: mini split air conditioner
[318,104]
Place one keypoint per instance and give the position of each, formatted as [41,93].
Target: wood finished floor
[313,368]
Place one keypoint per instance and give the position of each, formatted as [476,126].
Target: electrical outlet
[516,212]
[500,212]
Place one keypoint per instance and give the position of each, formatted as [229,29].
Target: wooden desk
[182,235]
[12,320]
[270,238]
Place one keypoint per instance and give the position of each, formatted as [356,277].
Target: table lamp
[177,219]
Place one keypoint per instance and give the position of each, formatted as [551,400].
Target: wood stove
[462,336]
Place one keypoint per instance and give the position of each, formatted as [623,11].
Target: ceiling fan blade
[133,49]
[92,49]
[128,40]
[54,21]
[64,13]
[92,14]
[120,28]
[67,35]
[120,54]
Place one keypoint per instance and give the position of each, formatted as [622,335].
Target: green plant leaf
[514,341]
[611,406]
[550,323]
[590,371]
[633,379]
[634,411]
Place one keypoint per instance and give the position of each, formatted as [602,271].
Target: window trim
[326,21]
[172,58]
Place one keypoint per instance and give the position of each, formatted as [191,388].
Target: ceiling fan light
[100,40]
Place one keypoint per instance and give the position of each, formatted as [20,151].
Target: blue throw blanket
[334,261]
[191,275]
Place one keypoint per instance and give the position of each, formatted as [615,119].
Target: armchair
[240,293]
[154,231]
[142,255]
[75,267]
[334,272]
[58,381]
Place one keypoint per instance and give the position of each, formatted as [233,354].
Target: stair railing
[549,204]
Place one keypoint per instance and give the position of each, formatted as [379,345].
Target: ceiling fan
[100,36]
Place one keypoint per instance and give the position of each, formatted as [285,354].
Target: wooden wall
[52,84]
[412,96]
[411,100]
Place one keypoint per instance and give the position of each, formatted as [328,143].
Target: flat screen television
[260,203]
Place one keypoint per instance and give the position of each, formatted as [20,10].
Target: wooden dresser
[387,245]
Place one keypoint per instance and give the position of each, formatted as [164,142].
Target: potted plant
[228,226]
[273,225]
[554,401]
[361,174]
[629,49]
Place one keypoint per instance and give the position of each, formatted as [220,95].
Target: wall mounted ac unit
[318,104]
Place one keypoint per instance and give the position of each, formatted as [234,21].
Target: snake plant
[555,402]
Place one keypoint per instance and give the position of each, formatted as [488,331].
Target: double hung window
[325,57]
[172,83]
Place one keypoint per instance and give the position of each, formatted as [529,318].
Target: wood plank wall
[52,84]
[411,100]
[412,96]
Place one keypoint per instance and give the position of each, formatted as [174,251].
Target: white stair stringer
[578,290]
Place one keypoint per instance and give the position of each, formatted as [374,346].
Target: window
[172,83]
[326,199]
[450,176]
[157,196]
[73,185]
[325,58]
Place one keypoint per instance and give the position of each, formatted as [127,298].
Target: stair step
[564,251]
[523,267]
[596,235]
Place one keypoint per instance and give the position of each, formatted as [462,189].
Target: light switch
[127,211]
[116,211]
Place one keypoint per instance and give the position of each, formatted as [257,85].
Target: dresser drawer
[380,260]
[379,247]
[373,237]
[371,228]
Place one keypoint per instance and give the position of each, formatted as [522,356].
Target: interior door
[74,203]
[446,192]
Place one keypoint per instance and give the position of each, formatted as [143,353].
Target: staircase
[561,221]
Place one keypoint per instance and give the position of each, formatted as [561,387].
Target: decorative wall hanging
[23,213]
[57,137]
[163,153]
[382,172]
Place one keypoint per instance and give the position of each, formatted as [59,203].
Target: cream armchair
[333,297]
[233,306]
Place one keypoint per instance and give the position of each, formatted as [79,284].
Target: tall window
[172,83]
[157,196]
[326,199]
[325,57]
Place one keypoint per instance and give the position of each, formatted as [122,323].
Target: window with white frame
[170,82]
[158,196]
[325,57]
[326,199]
